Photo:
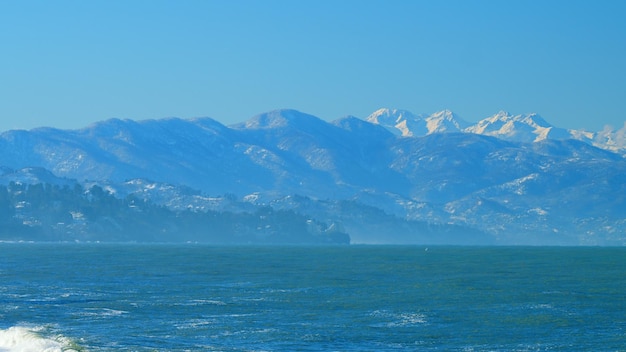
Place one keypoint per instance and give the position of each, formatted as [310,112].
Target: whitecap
[411,318]
[209,302]
[24,339]
[100,313]
[399,319]
[194,324]
[541,306]
[200,302]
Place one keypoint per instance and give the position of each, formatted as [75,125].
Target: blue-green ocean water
[104,297]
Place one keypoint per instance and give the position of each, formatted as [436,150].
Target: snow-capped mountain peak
[445,121]
[534,119]
[490,124]
[530,127]
[407,124]
[522,128]
[399,122]
[503,188]
[386,116]
[609,138]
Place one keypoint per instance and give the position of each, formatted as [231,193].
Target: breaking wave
[34,339]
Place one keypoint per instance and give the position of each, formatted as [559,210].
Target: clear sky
[67,64]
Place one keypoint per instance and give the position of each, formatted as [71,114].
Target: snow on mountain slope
[450,174]
[200,153]
[322,158]
[445,121]
[282,118]
[400,122]
[525,128]
[521,128]
[364,129]
[407,124]
[303,143]
[443,167]
[610,139]
[296,152]
[571,202]
[32,175]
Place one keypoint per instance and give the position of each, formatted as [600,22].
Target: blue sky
[67,64]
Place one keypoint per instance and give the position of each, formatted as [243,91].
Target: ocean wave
[195,324]
[393,319]
[541,306]
[100,313]
[34,339]
[201,302]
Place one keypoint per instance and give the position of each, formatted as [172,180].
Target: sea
[192,297]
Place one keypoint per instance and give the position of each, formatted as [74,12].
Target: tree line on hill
[46,212]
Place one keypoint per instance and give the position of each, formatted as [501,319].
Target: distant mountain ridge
[407,124]
[516,179]
[520,128]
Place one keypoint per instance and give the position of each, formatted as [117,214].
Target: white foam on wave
[399,319]
[411,319]
[23,339]
[195,324]
[541,306]
[200,302]
[100,313]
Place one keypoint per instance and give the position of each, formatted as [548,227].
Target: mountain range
[519,128]
[393,177]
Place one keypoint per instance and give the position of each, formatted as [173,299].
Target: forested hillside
[44,212]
